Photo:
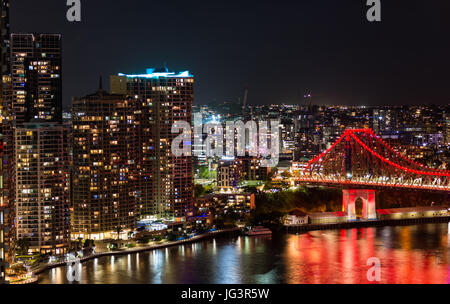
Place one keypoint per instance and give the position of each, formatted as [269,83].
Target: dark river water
[408,254]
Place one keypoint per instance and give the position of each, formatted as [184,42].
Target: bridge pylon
[350,196]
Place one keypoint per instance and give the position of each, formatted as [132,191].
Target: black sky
[279,48]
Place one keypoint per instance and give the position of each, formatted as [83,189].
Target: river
[408,254]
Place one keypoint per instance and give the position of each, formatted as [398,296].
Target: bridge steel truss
[362,158]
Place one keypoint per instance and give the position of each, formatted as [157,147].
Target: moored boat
[259,231]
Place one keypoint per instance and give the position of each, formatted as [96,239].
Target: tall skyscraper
[104,151]
[3,248]
[447,128]
[41,143]
[7,233]
[36,77]
[42,186]
[5,36]
[164,184]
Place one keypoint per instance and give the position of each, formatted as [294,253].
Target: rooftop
[100,95]
[160,73]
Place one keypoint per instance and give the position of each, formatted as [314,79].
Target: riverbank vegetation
[272,207]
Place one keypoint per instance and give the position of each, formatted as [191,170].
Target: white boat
[259,231]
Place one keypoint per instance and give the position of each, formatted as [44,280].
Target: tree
[286,174]
[251,189]
[172,237]
[80,243]
[268,185]
[219,222]
[89,243]
[118,230]
[144,239]
[22,246]
[199,190]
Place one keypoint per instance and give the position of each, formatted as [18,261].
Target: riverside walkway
[37,269]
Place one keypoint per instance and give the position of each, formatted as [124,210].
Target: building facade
[222,203]
[164,184]
[296,217]
[447,129]
[3,229]
[104,168]
[7,232]
[41,143]
[229,173]
[233,171]
[43,186]
[36,77]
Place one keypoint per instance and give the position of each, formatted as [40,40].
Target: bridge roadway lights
[368,197]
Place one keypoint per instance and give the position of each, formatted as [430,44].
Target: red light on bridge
[370,160]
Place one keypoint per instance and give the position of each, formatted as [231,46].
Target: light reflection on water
[408,254]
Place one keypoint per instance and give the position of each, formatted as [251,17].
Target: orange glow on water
[341,257]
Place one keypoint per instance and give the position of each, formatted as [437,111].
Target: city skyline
[343,59]
[231,144]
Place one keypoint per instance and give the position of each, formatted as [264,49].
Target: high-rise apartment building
[36,77]
[447,128]
[5,36]
[7,233]
[42,186]
[3,214]
[41,143]
[164,183]
[104,164]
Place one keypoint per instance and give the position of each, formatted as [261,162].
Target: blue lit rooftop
[153,73]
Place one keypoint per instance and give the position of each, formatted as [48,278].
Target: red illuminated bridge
[361,160]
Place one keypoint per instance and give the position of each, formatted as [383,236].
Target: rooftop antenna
[100,86]
[244,107]
[308,99]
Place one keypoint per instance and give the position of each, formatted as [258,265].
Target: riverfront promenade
[43,267]
[292,229]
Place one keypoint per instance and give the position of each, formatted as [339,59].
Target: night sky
[279,48]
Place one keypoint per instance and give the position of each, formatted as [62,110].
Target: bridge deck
[371,184]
